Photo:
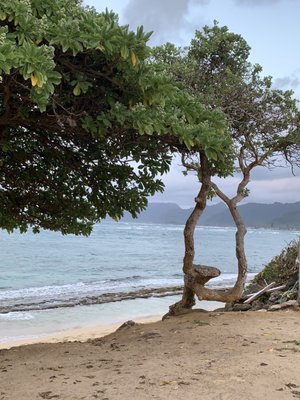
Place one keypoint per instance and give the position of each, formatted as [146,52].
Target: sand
[73,335]
[200,355]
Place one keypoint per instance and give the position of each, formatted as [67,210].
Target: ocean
[50,283]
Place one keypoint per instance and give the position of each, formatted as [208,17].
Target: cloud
[288,82]
[257,2]
[265,187]
[167,18]
[283,190]
[182,190]
[263,173]
[291,82]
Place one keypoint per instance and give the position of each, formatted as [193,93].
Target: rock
[241,307]
[127,324]
[286,304]
[291,294]
[292,281]
[151,335]
[258,305]
[228,306]
[275,307]
[203,273]
[290,303]
[275,297]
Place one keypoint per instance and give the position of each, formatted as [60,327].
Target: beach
[63,300]
[201,354]
[72,335]
[51,283]
[83,322]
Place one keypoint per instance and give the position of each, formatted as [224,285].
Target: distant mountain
[170,213]
[276,215]
[160,213]
[288,220]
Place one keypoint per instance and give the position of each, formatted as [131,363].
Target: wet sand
[73,335]
[203,355]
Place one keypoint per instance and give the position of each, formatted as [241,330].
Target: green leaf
[124,52]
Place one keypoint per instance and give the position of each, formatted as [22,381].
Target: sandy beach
[74,335]
[204,355]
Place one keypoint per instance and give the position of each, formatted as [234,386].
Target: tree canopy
[263,121]
[86,122]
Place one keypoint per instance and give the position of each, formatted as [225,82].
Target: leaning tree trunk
[188,297]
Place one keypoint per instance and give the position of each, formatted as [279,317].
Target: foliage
[280,269]
[86,122]
[264,121]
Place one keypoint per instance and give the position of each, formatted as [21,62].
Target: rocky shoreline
[96,299]
[282,273]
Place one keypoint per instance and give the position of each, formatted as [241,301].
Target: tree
[86,122]
[264,125]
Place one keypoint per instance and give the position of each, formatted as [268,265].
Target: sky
[271,28]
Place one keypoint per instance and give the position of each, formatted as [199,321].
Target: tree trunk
[240,251]
[234,293]
[188,297]
[192,285]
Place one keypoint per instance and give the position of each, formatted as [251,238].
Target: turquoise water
[41,275]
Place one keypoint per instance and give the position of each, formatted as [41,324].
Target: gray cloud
[265,187]
[282,190]
[288,82]
[282,170]
[183,190]
[257,2]
[167,18]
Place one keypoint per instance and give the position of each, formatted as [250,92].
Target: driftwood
[273,289]
[258,294]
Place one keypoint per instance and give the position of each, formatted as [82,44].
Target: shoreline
[223,281]
[88,300]
[82,327]
[82,334]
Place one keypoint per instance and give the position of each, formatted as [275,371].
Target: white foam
[41,291]
[16,316]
